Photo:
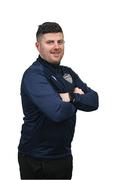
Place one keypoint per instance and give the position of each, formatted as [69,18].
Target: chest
[61,80]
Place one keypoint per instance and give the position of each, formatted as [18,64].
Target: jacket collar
[47,64]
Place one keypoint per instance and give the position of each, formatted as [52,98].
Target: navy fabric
[49,123]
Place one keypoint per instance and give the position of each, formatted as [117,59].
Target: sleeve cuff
[72,97]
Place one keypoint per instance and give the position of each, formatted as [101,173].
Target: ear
[37,44]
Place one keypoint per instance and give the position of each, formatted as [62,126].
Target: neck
[48,63]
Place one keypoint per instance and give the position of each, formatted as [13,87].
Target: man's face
[51,47]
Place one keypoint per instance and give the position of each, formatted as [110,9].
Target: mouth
[55,53]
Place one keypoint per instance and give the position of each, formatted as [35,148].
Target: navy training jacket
[49,123]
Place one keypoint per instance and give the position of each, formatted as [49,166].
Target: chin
[56,61]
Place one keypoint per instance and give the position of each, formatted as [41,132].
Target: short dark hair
[48,27]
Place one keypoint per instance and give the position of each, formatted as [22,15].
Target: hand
[65,97]
[78,90]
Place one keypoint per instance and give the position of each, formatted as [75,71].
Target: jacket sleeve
[85,102]
[45,98]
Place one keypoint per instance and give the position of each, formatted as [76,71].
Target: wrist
[72,97]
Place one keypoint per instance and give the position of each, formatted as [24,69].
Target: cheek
[43,50]
[62,50]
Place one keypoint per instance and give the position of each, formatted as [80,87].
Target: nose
[56,45]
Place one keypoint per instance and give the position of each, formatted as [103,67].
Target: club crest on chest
[68,78]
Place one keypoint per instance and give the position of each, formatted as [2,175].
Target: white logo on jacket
[54,77]
[68,78]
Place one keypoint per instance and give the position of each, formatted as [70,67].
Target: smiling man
[51,95]
[51,47]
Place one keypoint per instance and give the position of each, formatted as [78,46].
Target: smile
[55,52]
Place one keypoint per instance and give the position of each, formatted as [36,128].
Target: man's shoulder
[34,69]
[67,69]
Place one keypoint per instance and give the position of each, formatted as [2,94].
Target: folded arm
[82,97]
[42,94]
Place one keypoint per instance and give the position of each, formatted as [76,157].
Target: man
[51,95]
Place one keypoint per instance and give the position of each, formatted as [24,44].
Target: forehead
[53,36]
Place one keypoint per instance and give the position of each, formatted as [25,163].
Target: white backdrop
[92,49]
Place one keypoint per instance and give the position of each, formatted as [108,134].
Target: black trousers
[31,168]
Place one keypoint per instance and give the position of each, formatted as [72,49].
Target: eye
[50,42]
[61,42]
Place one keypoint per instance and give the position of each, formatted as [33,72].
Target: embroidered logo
[68,78]
[54,78]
